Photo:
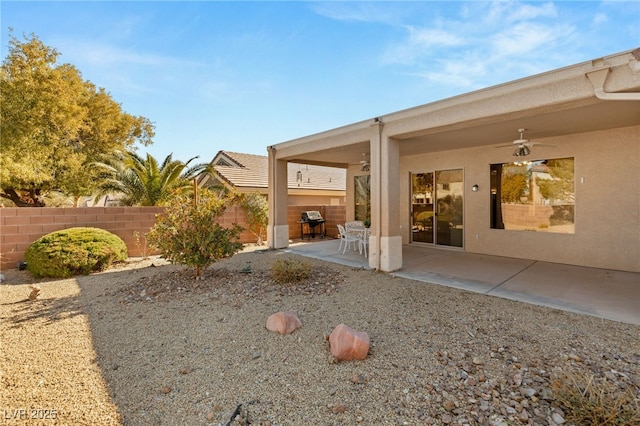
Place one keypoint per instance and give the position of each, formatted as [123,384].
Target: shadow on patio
[603,293]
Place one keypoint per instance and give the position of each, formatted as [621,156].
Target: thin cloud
[600,18]
[130,71]
[483,44]
[510,12]
[526,38]
[421,43]
[355,11]
[433,37]
[463,72]
[99,54]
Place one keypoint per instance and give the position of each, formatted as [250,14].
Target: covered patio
[438,173]
[602,293]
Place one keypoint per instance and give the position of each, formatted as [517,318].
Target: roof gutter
[598,78]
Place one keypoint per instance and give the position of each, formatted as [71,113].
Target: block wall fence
[20,226]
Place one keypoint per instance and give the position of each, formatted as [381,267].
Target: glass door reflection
[449,210]
[437,207]
[422,207]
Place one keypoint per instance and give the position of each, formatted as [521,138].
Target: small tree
[190,234]
[257,210]
[54,124]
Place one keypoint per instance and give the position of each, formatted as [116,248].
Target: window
[362,198]
[533,196]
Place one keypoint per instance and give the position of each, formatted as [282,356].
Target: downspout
[598,78]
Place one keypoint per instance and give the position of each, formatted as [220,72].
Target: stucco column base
[278,236]
[390,253]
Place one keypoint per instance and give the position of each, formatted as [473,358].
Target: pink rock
[284,322]
[348,344]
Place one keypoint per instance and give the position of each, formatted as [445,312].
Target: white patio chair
[363,241]
[346,239]
[354,224]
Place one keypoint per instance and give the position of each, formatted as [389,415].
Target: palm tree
[142,181]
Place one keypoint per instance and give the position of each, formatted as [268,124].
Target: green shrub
[587,400]
[74,251]
[288,271]
[257,211]
[190,234]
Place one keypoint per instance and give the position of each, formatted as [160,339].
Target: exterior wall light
[475,188]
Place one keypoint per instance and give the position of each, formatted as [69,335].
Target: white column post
[386,242]
[278,228]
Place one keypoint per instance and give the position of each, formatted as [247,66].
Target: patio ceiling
[599,115]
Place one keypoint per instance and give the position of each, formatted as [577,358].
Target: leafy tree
[189,233]
[514,184]
[143,181]
[257,211]
[562,186]
[53,124]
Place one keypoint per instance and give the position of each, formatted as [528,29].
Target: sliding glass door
[422,197]
[437,207]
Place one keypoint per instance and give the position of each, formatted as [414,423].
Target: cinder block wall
[333,215]
[20,226]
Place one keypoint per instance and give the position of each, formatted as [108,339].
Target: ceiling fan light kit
[522,151]
[364,163]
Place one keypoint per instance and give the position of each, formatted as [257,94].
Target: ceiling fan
[522,145]
[365,166]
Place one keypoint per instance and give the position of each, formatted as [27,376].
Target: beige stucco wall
[301,200]
[607,214]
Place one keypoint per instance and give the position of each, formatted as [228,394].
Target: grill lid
[311,215]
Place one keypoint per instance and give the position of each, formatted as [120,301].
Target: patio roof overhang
[552,104]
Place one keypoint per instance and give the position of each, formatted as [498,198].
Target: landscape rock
[35,290]
[348,344]
[285,322]
[338,408]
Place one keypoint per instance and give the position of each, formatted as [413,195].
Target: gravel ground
[146,344]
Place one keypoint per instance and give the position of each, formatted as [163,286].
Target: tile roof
[250,170]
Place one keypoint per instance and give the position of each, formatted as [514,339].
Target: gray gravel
[164,349]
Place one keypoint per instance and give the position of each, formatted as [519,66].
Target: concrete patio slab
[468,271]
[599,292]
[608,294]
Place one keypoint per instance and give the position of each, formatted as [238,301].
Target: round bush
[74,251]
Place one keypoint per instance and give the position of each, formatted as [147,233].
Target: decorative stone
[35,290]
[358,379]
[347,344]
[285,322]
[339,408]
[557,418]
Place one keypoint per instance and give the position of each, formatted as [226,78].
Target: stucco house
[543,168]
[307,184]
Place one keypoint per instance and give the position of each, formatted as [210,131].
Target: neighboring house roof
[240,170]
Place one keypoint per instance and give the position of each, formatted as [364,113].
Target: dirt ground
[145,344]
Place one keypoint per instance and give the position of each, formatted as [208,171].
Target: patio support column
[278,229]
[386,241]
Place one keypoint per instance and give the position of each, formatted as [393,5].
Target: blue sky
[240,76]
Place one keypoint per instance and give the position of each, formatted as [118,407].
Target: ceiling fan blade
[542,144]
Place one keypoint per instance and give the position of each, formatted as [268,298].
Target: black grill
[312,219]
